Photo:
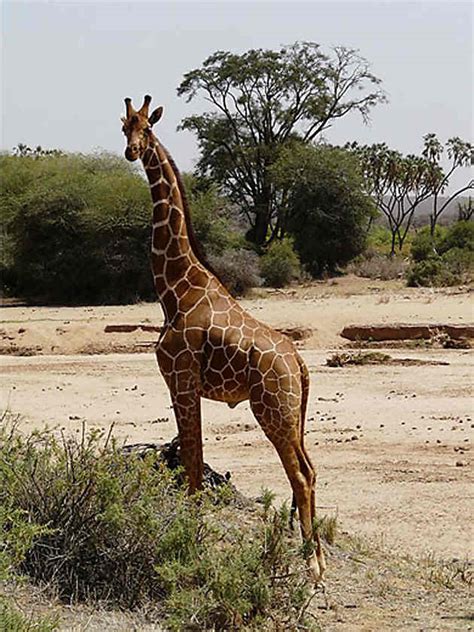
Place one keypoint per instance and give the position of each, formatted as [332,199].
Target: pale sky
[66,66]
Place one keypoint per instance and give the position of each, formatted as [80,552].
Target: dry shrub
[377,266]
[238,270]
[93,523]
[370,357]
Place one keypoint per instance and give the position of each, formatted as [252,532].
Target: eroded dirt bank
[322,310]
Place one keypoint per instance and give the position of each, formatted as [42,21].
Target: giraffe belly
[232,392]
[224,376]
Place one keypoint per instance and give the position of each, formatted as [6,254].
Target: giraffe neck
[172,256]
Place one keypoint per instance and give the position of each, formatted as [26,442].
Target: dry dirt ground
[392,443]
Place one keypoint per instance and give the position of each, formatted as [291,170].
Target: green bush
[117,529]
[280,264]
[76,229]
[209,216]
[431,272]
[460,261]
[12,620]
[445,259]
[328,208]
[459,235]
[424,245]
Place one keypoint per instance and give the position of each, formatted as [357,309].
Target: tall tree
[460,154]
[263,99]
[398,185]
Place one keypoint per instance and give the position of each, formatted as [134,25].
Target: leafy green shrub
[76,229]
[238,270]
[424,245]
[460,261]
[459,235]
[446,259]
[209,216]
[431,272]
[117,529]
[328,208]
[280,264]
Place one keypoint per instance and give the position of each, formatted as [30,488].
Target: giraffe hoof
[316,570]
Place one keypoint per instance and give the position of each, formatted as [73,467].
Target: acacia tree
[263,99]
[461,154]
[398,185]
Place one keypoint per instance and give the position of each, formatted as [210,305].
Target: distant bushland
[75,229]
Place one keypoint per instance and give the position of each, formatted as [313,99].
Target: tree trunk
[259,231]
[394,237]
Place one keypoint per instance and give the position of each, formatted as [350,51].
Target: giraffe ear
[155,115]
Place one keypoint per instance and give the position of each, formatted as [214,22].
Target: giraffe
[210,347]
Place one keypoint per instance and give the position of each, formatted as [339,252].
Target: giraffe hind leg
[301,477]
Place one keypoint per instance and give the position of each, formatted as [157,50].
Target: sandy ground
[324,307]
[392,443]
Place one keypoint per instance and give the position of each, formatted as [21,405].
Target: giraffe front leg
[187,410]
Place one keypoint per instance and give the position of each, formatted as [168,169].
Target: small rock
[461,463]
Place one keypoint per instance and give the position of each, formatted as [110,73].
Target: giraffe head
[137,127]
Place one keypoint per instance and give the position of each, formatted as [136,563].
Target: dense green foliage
[263,99]
[116,529]
[328,209]
[425,245]
[76,229]
[445,258]
[280,264]
[210,216]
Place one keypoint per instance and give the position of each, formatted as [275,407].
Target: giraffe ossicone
[210,346]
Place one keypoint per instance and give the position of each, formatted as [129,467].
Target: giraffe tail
[304,405]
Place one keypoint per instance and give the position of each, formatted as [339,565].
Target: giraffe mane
[193,240]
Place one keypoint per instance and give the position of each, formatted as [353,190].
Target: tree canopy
[399,183]
[263,99]
[328,208]
[460,154]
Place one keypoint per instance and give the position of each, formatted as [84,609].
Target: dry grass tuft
[360,358]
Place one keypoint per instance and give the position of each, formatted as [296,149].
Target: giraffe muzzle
[132,152]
